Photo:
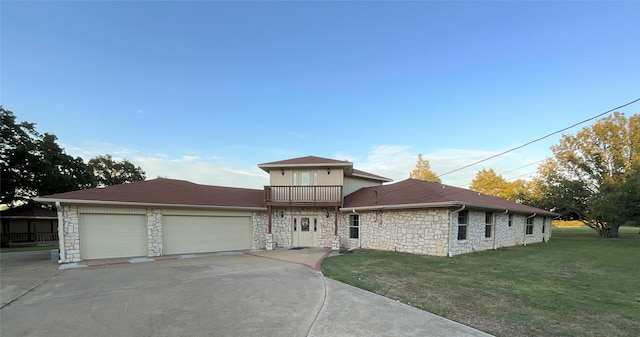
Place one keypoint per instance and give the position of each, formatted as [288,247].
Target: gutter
[145,204]
[443,204]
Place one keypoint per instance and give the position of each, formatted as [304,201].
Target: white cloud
[396,161]
[197,170]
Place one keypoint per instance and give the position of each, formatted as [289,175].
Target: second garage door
[200,234]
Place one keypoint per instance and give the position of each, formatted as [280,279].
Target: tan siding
[353,184]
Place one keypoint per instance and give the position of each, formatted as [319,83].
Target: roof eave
[269,166]
[387,180]
[443,204]
[145,204]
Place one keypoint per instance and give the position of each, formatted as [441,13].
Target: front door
[305,231]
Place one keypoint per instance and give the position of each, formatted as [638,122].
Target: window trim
[354,226]
[529,226]
[488,224]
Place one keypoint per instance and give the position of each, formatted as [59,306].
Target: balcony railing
[329,195]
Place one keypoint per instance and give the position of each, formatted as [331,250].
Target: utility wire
[539,139]
[523,166]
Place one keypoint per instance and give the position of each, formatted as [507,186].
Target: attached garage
[198,234]
[112,235]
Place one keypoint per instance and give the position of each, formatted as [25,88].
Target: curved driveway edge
[351,311]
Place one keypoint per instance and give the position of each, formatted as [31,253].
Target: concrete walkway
[351,311]
[259,293]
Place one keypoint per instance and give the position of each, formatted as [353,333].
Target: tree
[587,169]
[622,205]
[488,182]
[109,172]
[423,171]
[34,164]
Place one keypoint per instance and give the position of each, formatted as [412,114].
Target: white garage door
[112,235]
[199,234]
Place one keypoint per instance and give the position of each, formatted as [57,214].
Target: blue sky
[206,90]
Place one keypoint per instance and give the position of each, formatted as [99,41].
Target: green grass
[574,285]
[27,248]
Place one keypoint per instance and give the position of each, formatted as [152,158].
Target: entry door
[305,231]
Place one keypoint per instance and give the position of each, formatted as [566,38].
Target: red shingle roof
[419,192]
[167,191]
[308,160]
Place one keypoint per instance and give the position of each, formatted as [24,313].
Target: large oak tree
[589,172]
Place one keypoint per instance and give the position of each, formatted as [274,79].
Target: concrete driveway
[228,295]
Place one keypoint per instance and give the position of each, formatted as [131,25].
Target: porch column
[335,242]
[269,244]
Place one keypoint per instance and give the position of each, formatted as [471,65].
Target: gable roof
[164,191]
[313,161]
[305,161]
[414,193]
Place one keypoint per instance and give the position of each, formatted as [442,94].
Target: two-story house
[309,202]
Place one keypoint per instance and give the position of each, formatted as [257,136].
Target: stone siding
[260,224]
[502,235]
[70,224]
[154,232]
[282,226]
[417,231]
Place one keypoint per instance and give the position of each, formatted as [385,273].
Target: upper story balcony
[318,195]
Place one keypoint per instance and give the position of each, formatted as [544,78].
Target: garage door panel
[112,235]
[199,234]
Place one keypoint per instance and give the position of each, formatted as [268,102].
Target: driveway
[228,295]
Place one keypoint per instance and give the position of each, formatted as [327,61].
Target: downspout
[495,229]
[524,238]
[61,256]
[449,252]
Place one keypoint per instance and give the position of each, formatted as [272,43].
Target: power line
[522,175]
[523,166]
[539,139]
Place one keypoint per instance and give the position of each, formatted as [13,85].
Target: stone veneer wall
[154,232]
[503,235]
[260,224]
[282,227]
[71,234]
[417,231]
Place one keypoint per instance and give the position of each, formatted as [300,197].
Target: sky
[206,90]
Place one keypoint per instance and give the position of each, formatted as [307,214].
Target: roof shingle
[419,192]
[168,191]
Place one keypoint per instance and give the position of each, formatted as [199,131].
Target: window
[488,224]
[463,219]
[510,220]
[529,229]
[354,226]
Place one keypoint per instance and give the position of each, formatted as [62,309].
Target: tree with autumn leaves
[593,177]
[423,171]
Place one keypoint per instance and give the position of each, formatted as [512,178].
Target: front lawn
[575,285]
